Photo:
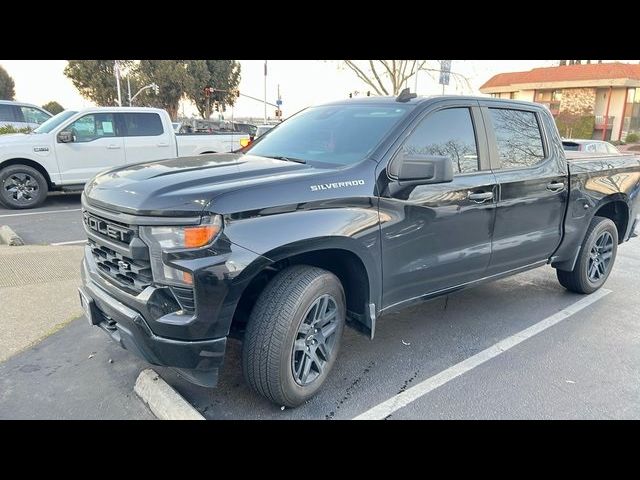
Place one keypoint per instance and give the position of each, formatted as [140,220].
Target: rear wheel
[22,187]
[596,259]
[293,335]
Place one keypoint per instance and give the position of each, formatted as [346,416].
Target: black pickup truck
[339,215]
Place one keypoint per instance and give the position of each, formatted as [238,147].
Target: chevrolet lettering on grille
[116,232]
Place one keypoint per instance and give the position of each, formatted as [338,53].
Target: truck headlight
[176,238]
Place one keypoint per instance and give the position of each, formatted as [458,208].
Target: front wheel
[596,259]
[22,187]
[293,335]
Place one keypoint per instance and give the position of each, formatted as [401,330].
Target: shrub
[632,138]
[575,126]
[9,129]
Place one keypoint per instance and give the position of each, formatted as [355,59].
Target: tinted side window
[518,137]
[448,133]
[6,113]
[93,126]
[142,124]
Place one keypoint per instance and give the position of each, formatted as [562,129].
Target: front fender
[353,228]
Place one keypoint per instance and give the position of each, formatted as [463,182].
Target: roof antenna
[405,95]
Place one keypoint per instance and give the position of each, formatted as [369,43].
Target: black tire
[579,280]
[280,323]
[22,187]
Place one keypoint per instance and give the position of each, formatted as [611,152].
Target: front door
[97,145]
[438,236]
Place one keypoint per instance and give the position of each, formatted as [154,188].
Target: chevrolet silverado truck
[72,147]
[341,214]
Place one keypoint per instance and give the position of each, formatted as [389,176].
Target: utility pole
[129,88]
[265,91]
[116,67]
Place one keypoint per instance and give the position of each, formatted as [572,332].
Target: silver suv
[22,115]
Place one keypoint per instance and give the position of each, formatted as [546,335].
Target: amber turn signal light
[199,236]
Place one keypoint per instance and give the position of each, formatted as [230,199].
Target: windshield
[342,134]
[53,122]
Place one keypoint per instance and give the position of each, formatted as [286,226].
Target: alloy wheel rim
[315,340]
[21,188]
[600,257]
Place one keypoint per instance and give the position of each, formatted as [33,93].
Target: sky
[302,82]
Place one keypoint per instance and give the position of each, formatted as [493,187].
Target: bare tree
[389,77]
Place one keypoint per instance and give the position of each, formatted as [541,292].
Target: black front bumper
[198,361]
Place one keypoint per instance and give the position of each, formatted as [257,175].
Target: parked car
[346,211]
[247,128]
[262,129]
[22,115]
[70,148]
[589,146]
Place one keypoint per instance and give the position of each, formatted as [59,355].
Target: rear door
[531,173]
[97,145]
[145,138]
[438,236]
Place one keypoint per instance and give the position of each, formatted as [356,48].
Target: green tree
[219,74]
[172,78]
[96,81]
[7,85]
[53,107]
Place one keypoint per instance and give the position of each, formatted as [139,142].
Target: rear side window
[33,115]
[518,137]
[142,124]
[6,113]
[448,133]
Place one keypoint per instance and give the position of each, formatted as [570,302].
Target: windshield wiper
[288,159]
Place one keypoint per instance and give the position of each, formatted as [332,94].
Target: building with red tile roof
[610,92]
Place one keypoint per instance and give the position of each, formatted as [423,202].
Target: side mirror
[415,169]
[65,136]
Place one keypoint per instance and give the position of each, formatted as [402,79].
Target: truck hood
[184,186]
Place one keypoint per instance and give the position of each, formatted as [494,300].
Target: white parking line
[403,399]
[72,242]
[40,213]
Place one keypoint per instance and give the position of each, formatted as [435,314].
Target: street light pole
[117,69]
[265,91]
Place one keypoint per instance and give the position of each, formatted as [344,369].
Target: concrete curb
[163,400]
[9,237]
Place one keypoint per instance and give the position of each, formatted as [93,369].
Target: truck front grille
[108,229]
[127,273]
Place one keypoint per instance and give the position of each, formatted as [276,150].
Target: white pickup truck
[69,149]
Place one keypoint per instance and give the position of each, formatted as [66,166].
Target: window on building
[449,133]
[518,137]
[513,95]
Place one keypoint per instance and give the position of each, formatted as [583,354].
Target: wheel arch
[616,208]
[29,163]
[357,273]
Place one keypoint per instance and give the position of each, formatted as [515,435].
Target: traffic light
[237,92]
[217,105]
[351,95]
[278,113]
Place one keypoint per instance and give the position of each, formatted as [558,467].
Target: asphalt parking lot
[585,366]
[57,220]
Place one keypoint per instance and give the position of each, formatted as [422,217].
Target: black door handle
[480,196]
[555,186]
